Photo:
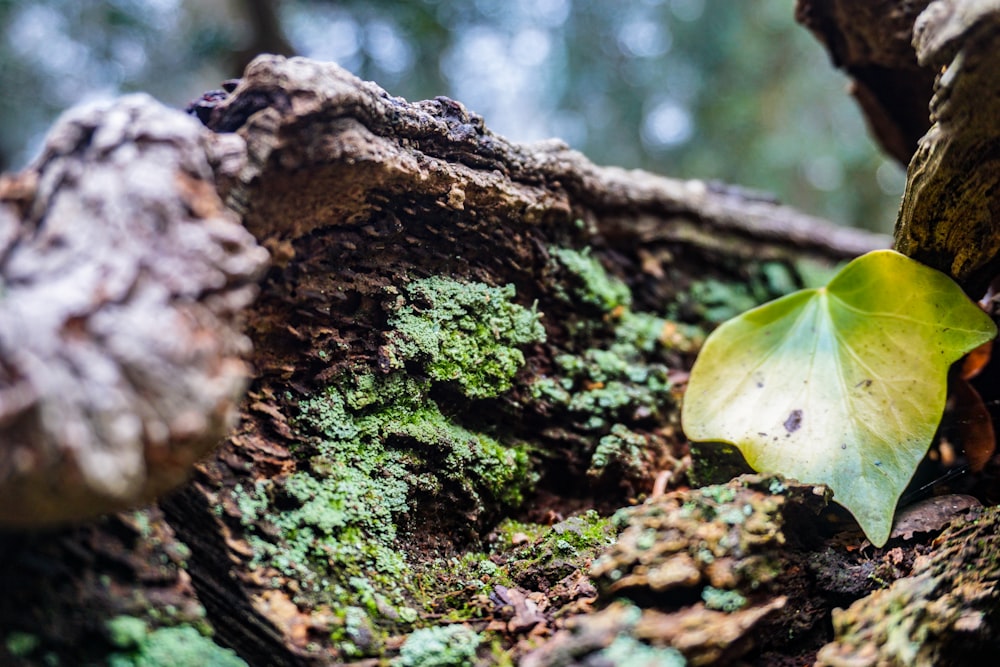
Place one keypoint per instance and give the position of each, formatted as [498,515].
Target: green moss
[715,463]
[466,333]
[567,546]
[164,647]
[371,441]
[459,586]
[585,532]
[21,644]
[511,533]
[442,646]
[592,284]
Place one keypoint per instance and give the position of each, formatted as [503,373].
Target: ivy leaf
[842,385]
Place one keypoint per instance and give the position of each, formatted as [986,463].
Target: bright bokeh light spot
[642,38]
[325,35]
[530,47]
[890,177]
[39,24]
[687,10]
[667,124]
[384,44]
[548,13]
[824,173]
[486,70]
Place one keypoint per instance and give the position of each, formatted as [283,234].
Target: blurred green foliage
[710,89]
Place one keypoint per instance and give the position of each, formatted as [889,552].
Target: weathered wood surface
[924,74]
[359,196]
[944,613]
[950,216]
[122,278]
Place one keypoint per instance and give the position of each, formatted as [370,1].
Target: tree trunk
[926,82]
[462,347]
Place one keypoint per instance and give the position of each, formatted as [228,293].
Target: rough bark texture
[121,276]
[925,81]
[450,321]
[942,614]
[950,211]
[462,345]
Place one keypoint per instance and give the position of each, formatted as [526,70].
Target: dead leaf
[976,360]
[931,514]
[974,425]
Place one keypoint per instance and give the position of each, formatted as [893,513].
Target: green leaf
[842,385]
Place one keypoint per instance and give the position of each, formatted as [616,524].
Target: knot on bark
[122,277]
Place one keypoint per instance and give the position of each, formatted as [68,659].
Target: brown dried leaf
[974,424]
[931,515]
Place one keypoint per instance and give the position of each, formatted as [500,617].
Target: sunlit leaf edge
[954,325]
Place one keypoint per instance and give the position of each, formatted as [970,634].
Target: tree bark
[923,75]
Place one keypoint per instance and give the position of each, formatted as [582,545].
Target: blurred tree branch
[267,35]
[871,41]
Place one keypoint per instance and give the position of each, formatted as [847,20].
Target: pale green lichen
[605,386]
[623,382]
[338,520]
[466,333]
[726,540]
[626,651]
[722,600]
[370,441]
[917,619]
[593,284]
[356,635]
[620,446]
[715,301]
[441,646]
[359,414]
[164,647]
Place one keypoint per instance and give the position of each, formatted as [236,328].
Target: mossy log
[453,327]
[460,341]
[944,613]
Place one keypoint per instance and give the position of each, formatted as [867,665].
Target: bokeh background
[729,90]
